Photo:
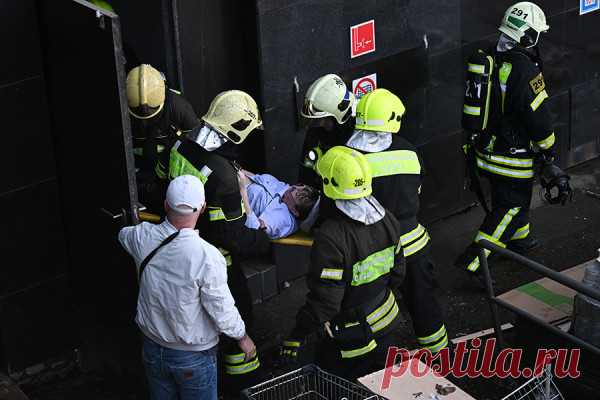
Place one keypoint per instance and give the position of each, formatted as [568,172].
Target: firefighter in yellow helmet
[513,135]
[356,264]
[207,152]
[397,176]
[328,103]
[158,116]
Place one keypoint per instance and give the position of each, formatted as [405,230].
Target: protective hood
[366,209]
[505,43]
[209,138]
[370,141]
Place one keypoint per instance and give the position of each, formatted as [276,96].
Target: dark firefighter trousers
[418,292]
[508,220]
[237,374]
[329,358]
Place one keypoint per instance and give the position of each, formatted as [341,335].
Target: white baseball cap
[185,194]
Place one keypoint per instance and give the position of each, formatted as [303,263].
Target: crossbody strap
[153,252]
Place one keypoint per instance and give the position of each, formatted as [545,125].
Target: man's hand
[243,180]
[248,347]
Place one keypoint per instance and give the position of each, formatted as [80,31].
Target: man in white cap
[184,302]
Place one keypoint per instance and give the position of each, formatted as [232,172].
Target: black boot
[523,246]
[477,277]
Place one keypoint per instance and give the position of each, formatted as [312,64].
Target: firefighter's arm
[161,169]
[228,227]
[240,240]
[326,283]
[185,118]
[326,292]
[423,170]
[398,272]
[534,109]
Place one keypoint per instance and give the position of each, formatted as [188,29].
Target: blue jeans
[178,374]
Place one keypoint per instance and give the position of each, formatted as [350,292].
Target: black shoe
[522,246]
[478,279]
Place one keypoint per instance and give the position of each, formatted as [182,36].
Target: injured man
[274,206]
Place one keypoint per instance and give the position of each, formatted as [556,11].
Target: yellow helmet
[234,114]
[379,111]
[346,174]
[145,91]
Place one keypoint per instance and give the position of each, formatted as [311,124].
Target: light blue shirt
[265,194]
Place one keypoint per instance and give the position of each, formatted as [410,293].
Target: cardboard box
[409,387]
[545,298]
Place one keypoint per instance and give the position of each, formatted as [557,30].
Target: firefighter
[206,152]
[328,101]
[518,133]
[397,175]
[159,115]
[356,264]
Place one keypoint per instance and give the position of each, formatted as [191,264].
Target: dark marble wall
[218,53]
[304,39]
[147,35]
[301,41]
[32,240]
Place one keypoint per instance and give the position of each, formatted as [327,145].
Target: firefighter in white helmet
[512,138]
[329,102]
[207,152]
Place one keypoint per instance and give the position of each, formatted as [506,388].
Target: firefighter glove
[290,351]
[556,185]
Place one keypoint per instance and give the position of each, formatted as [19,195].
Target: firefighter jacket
[397,175]
[152,136]
[225,217]
[318,141]
[353,269]
[521,124]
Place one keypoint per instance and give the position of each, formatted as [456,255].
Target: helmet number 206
[519,12]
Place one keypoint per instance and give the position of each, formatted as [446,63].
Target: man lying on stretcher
[275,206]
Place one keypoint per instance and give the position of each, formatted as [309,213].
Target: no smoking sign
[362,86]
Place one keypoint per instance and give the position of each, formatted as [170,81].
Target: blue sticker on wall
[586,6]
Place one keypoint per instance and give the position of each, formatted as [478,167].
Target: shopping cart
[308,383]
[537,388]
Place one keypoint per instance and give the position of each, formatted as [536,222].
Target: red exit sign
[362,39]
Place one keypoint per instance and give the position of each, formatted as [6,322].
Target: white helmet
[328,96]
[523,22]
[234,114]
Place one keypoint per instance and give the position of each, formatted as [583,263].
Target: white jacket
[184,301]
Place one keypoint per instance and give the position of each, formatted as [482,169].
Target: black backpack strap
[153,252]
